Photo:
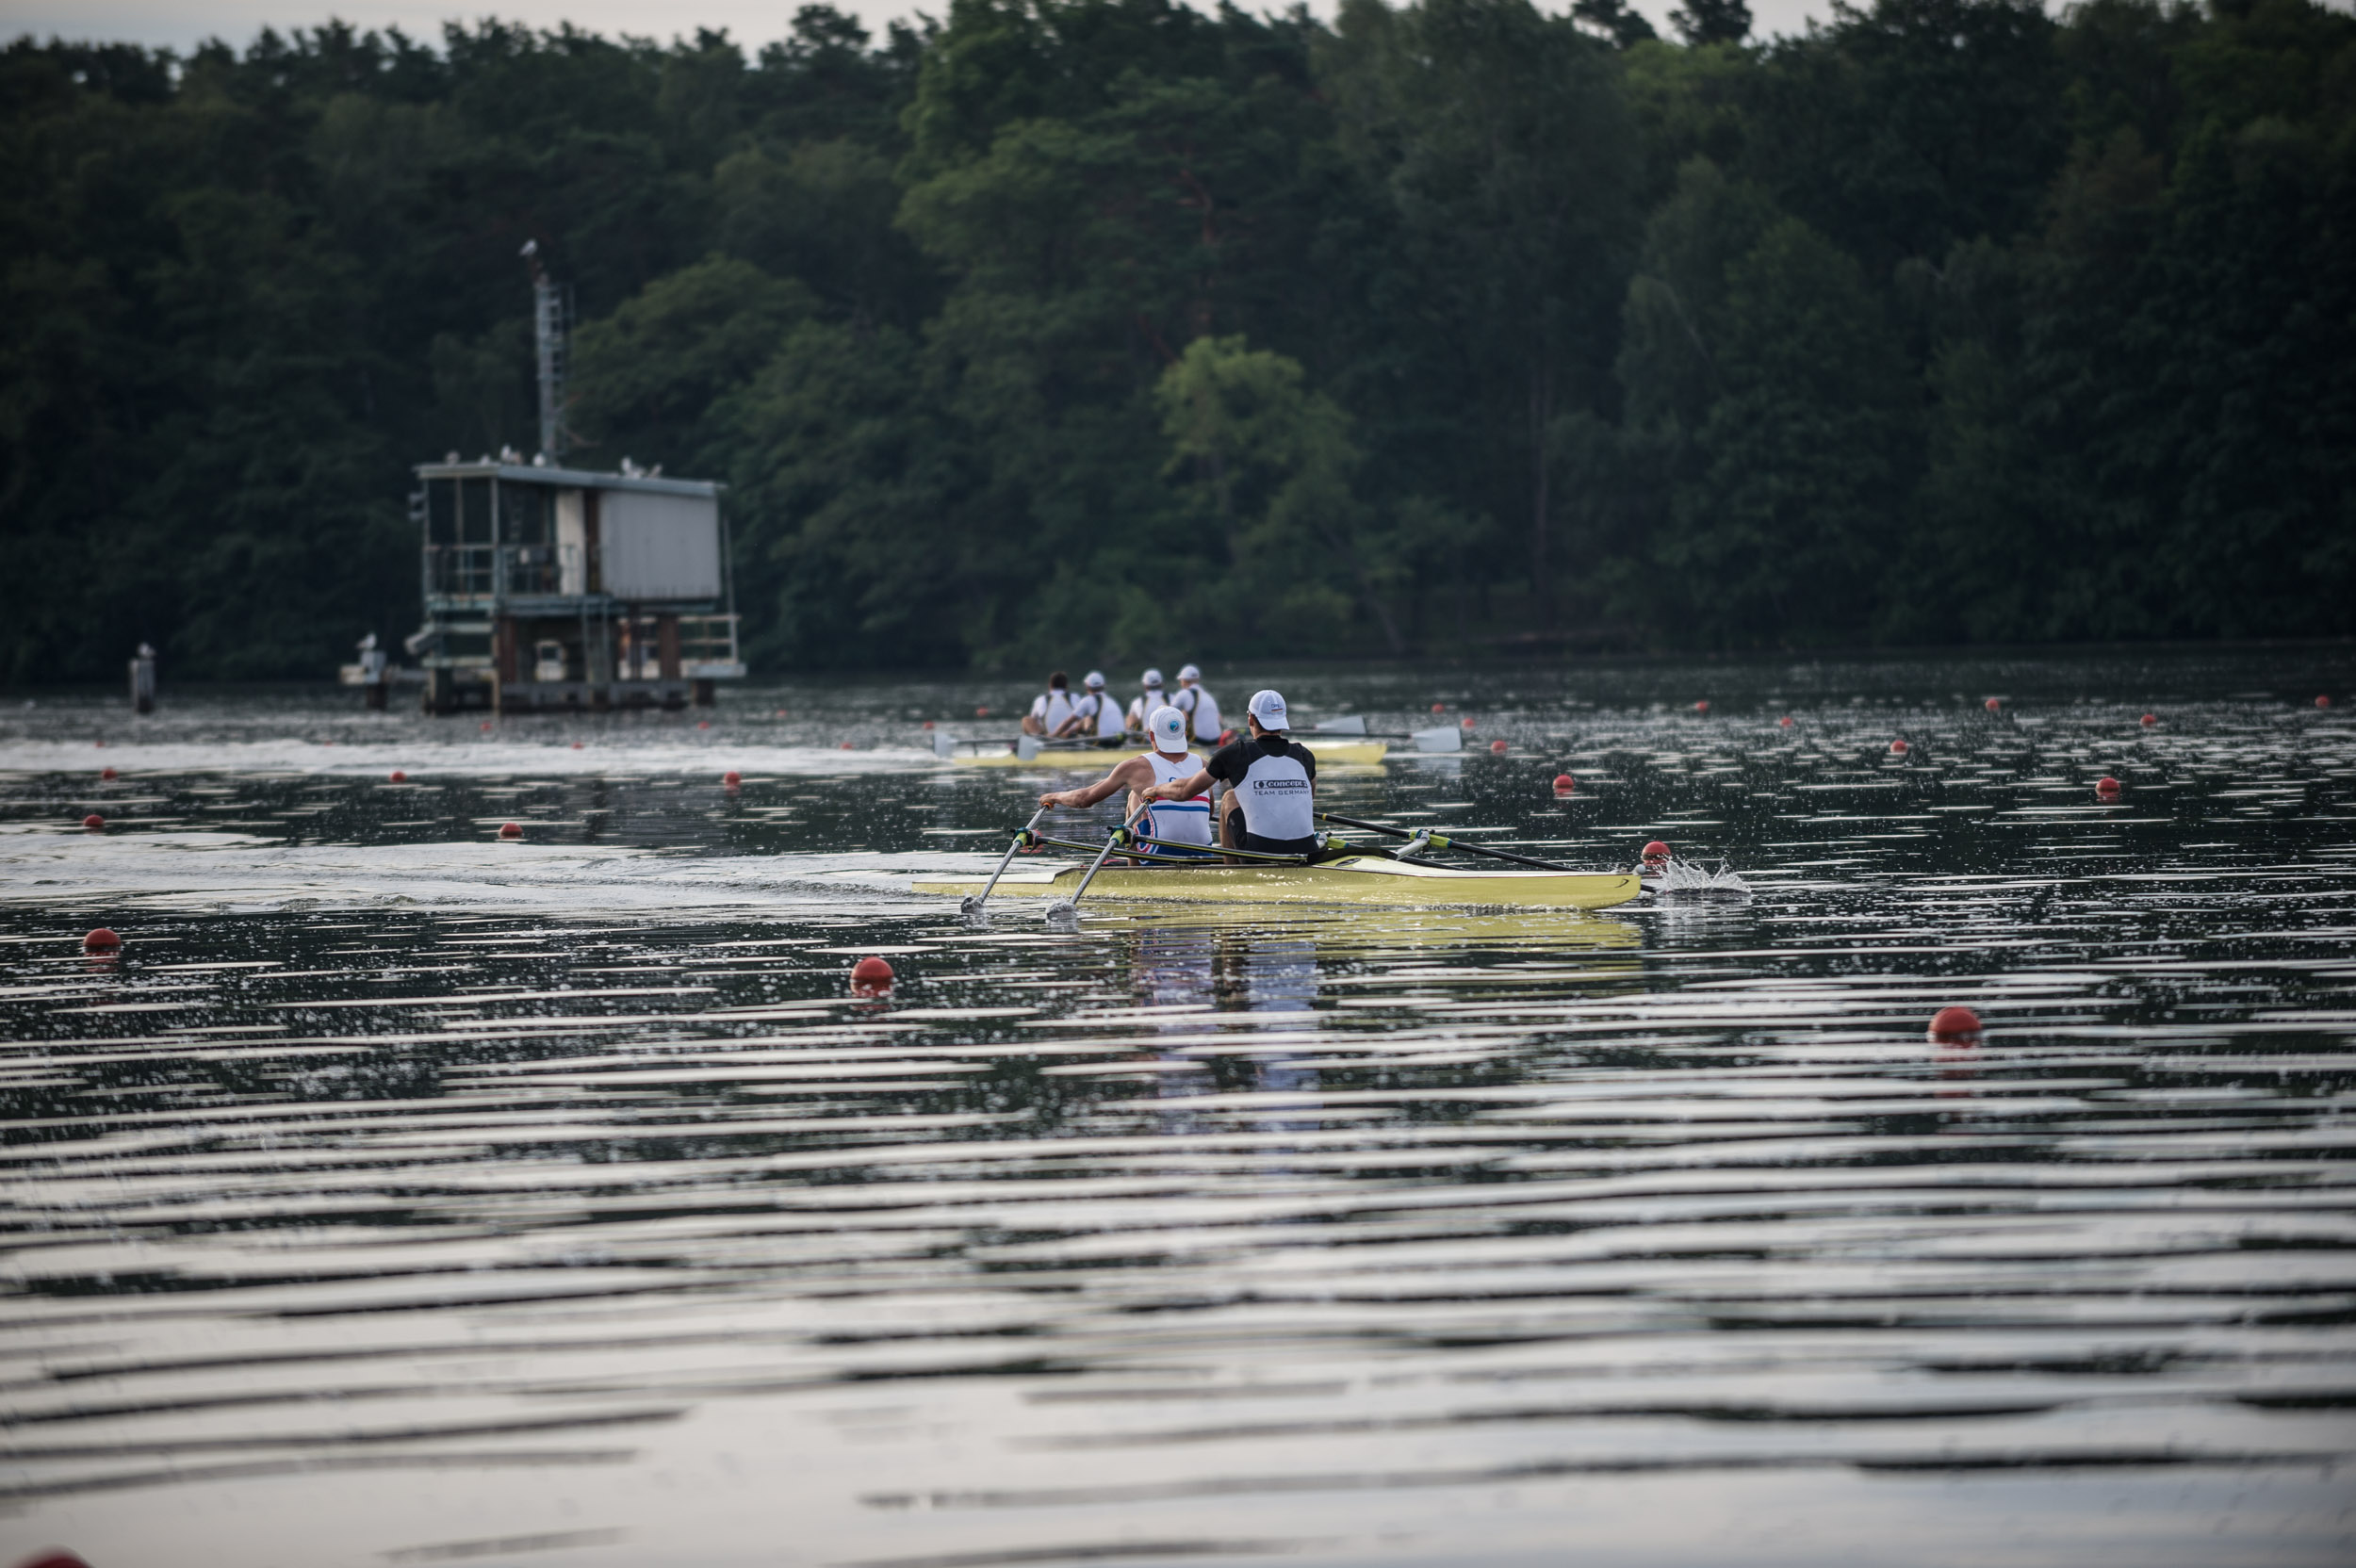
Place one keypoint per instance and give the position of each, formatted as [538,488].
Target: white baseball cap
[1169,729]
[1095,681]
[1187,672]
[1152,681]
[1268,708]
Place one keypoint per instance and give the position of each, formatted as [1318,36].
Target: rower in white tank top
[1197,705]
[1179,821]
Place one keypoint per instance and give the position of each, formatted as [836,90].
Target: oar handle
[1112,840]
[1004,862]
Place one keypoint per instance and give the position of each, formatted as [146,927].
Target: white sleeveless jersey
[1202,708]
[1275,794]
[1106,714]
[1181,821]
[1051,709]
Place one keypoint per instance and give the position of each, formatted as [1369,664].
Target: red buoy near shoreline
[1564,784]
[2320,702]
[1439,708]
[731,778]
[2149,719]
[102,941]
[871,976]
[928,724]
[978,713]
[1994,705]
[512,830]
[486,724]
[398,777]
[1702,707]
[1463,724]
[1954,1024]
[107,772]
[94,821]
[848,746]
[1784,722]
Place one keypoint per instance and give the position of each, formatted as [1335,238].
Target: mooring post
[144,680]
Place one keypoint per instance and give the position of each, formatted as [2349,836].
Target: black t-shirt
[1227,765]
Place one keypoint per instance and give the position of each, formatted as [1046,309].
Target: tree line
[1056,329]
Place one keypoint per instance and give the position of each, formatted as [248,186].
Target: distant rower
[1272,785]
[1201,707]
[1094,714]
[1184,819]
[1141,707]
[1051,708]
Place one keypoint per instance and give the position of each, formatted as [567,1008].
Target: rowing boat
[1355,879]
[1335,754]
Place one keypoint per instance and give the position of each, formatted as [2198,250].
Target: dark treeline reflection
[1037,331]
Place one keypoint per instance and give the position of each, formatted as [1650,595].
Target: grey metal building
[561,588]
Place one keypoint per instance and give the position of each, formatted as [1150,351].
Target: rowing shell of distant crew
[1064,731]
[1259,840]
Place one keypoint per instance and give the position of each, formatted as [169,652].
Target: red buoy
[871,976]
[2320,702]
[512,830]
[2106,788]
[703,723]
[2149,719]
[1497,748]
[102,941]
[94,821]
[102,746]
[779,713]
[1702,707]
[1897,748]
[576,745]
[1993,705]
[1955,1023]
[56,1557]
[1655,855]
[978,713]
[1465,724]
[1785,722]
[398,777]
[731,778]
[107,772]
[1564,784]
[928,724]
[486,724]
[848,746]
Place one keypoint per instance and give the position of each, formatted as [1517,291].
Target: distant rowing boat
[1358,879]
[1338,754]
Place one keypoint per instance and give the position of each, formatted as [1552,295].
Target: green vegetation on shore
[1065,328]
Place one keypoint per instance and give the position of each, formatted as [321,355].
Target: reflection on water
[400,1196]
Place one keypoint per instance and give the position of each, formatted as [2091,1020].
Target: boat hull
[1336,754]
[1359,879]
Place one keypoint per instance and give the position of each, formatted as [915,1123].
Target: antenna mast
[547,322]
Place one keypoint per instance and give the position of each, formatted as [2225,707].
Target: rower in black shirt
[1271,782]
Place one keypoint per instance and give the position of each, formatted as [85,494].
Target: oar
[1441,842]
[1112,840]
[972,903]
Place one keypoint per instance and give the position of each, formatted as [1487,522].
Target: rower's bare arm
[1130,775]
[1184,789]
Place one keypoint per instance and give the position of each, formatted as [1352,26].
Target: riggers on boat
[1093,758]
[1353,879]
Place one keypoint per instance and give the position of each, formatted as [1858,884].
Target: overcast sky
[183,22]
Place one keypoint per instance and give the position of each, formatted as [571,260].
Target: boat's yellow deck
[1360,879]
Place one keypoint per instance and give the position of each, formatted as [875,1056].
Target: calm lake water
[401,1195]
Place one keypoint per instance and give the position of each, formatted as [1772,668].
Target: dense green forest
[1078,329]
